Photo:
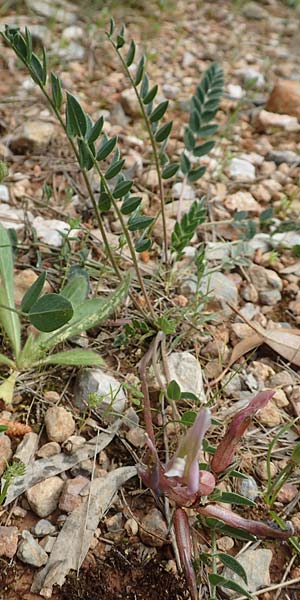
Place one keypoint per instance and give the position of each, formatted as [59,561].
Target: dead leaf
[284,343]
[48,467]
[74,539]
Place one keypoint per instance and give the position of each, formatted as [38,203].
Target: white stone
[13,218]
[4,193]
[30,552]
[242,201]
[47,230]
[187,191]
[221,289]
[241,170]
[268,119]
[288,239]
[112,397]
[235,92]
[73,32]
[252,76]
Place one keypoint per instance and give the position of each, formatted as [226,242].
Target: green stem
[126,233]
[154,148]
[88,186]
[213,561]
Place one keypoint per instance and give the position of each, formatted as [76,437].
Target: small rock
[107,389]
[27,448]
[288,239]
[47,543]
[281,378]
[262,472]
[285,98]
[232,385]
[153,529]
[241,170]
[171,92]
[235,92]
[136,437]
[43,527]
[23,280]
[73,32]
[280,399]
[73,443]
[225,543]
[131,527]
[187,192]
[43,497]
[5,452]
[255,12]
[60,12]
[34,137]
[242,201]
[287,493]
[114,523]
[256,564]
[261,193]
[267,283]
[130,103]
[8,541]
[248,488]
[188,59]
[252,77]
[13,218]
[70,497]
[284,156]
[48,230]
[267,120]
[48,450]
[270,415]
[30,552]
[59,424]
[4,193]
[221,289]
[217,251]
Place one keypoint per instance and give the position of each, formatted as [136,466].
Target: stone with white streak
[50,230]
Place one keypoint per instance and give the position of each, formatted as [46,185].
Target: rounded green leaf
[33,293]
[150,95]
[142,245]
[104,203]
[122,189]
[130,54]
[114,169]
[233,564]
[50,312]
[203,148]
[106,148]
[159,111]
[139,71]
[96,130]
[174,391]
[139,222]
[188,418]
[164,132]
[130,204]
[170,170]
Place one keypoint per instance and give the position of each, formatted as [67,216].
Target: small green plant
[57,317]
[93,149]
[16,469]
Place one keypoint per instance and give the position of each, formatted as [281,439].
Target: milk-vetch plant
[187,485]
[57,318]
[93,149]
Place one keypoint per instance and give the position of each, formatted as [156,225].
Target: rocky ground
[252,237]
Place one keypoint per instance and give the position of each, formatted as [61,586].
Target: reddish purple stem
[183,540]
